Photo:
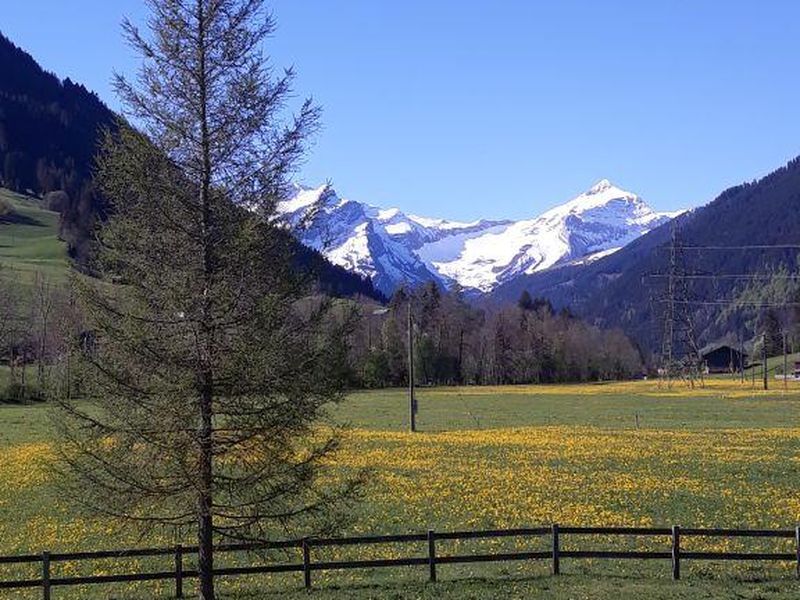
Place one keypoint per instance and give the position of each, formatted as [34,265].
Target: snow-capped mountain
[393,248]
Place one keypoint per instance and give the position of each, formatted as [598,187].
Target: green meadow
[608,454]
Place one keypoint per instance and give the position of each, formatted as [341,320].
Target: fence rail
[555,533]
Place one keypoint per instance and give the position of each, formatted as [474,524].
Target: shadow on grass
[566,585]
[15,218]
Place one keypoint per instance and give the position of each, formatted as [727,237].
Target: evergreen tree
[525,301]
[772,331]
[209,370]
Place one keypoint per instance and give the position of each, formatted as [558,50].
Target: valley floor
[605,454]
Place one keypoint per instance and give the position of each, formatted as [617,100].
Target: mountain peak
[600,186]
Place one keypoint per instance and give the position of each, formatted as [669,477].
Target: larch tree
[206,364]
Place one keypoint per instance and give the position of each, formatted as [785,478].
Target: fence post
[556,551]
[797,548]
[306,564]
[46,575]
[676,552]
[432,555]
[178,571]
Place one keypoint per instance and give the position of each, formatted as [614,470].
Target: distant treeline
[456,343]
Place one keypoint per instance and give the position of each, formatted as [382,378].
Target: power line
[743,276]
[740,304]
[676,300]
[743,247]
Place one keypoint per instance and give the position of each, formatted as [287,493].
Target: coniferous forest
[456,343]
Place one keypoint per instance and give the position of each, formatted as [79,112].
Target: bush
[376,371]
[5,208]
[16,393]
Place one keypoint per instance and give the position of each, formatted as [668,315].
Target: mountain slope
[392,248]
[376,243]
[618,290]
[49,132]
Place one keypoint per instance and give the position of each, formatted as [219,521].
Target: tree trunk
[461,357]
[205,533]
[205,530]
[40,360]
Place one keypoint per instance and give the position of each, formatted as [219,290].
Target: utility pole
[679,351]
[785,365]
[412,402]
[764,356]
[669,325]
[741,356]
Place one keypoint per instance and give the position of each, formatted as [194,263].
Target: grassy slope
[29,244]
[774,365]
[725,455]
[29,240]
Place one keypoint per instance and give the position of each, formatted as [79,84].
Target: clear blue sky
[465,109]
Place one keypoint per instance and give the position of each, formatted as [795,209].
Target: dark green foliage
[772,331]
[456,343]
[525,301]
[376,371]
[18,393]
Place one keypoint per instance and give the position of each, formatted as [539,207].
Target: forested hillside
[49,130]
[621,290]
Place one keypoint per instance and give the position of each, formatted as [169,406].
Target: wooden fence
[432,560]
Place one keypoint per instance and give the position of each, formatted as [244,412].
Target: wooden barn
[724,359]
